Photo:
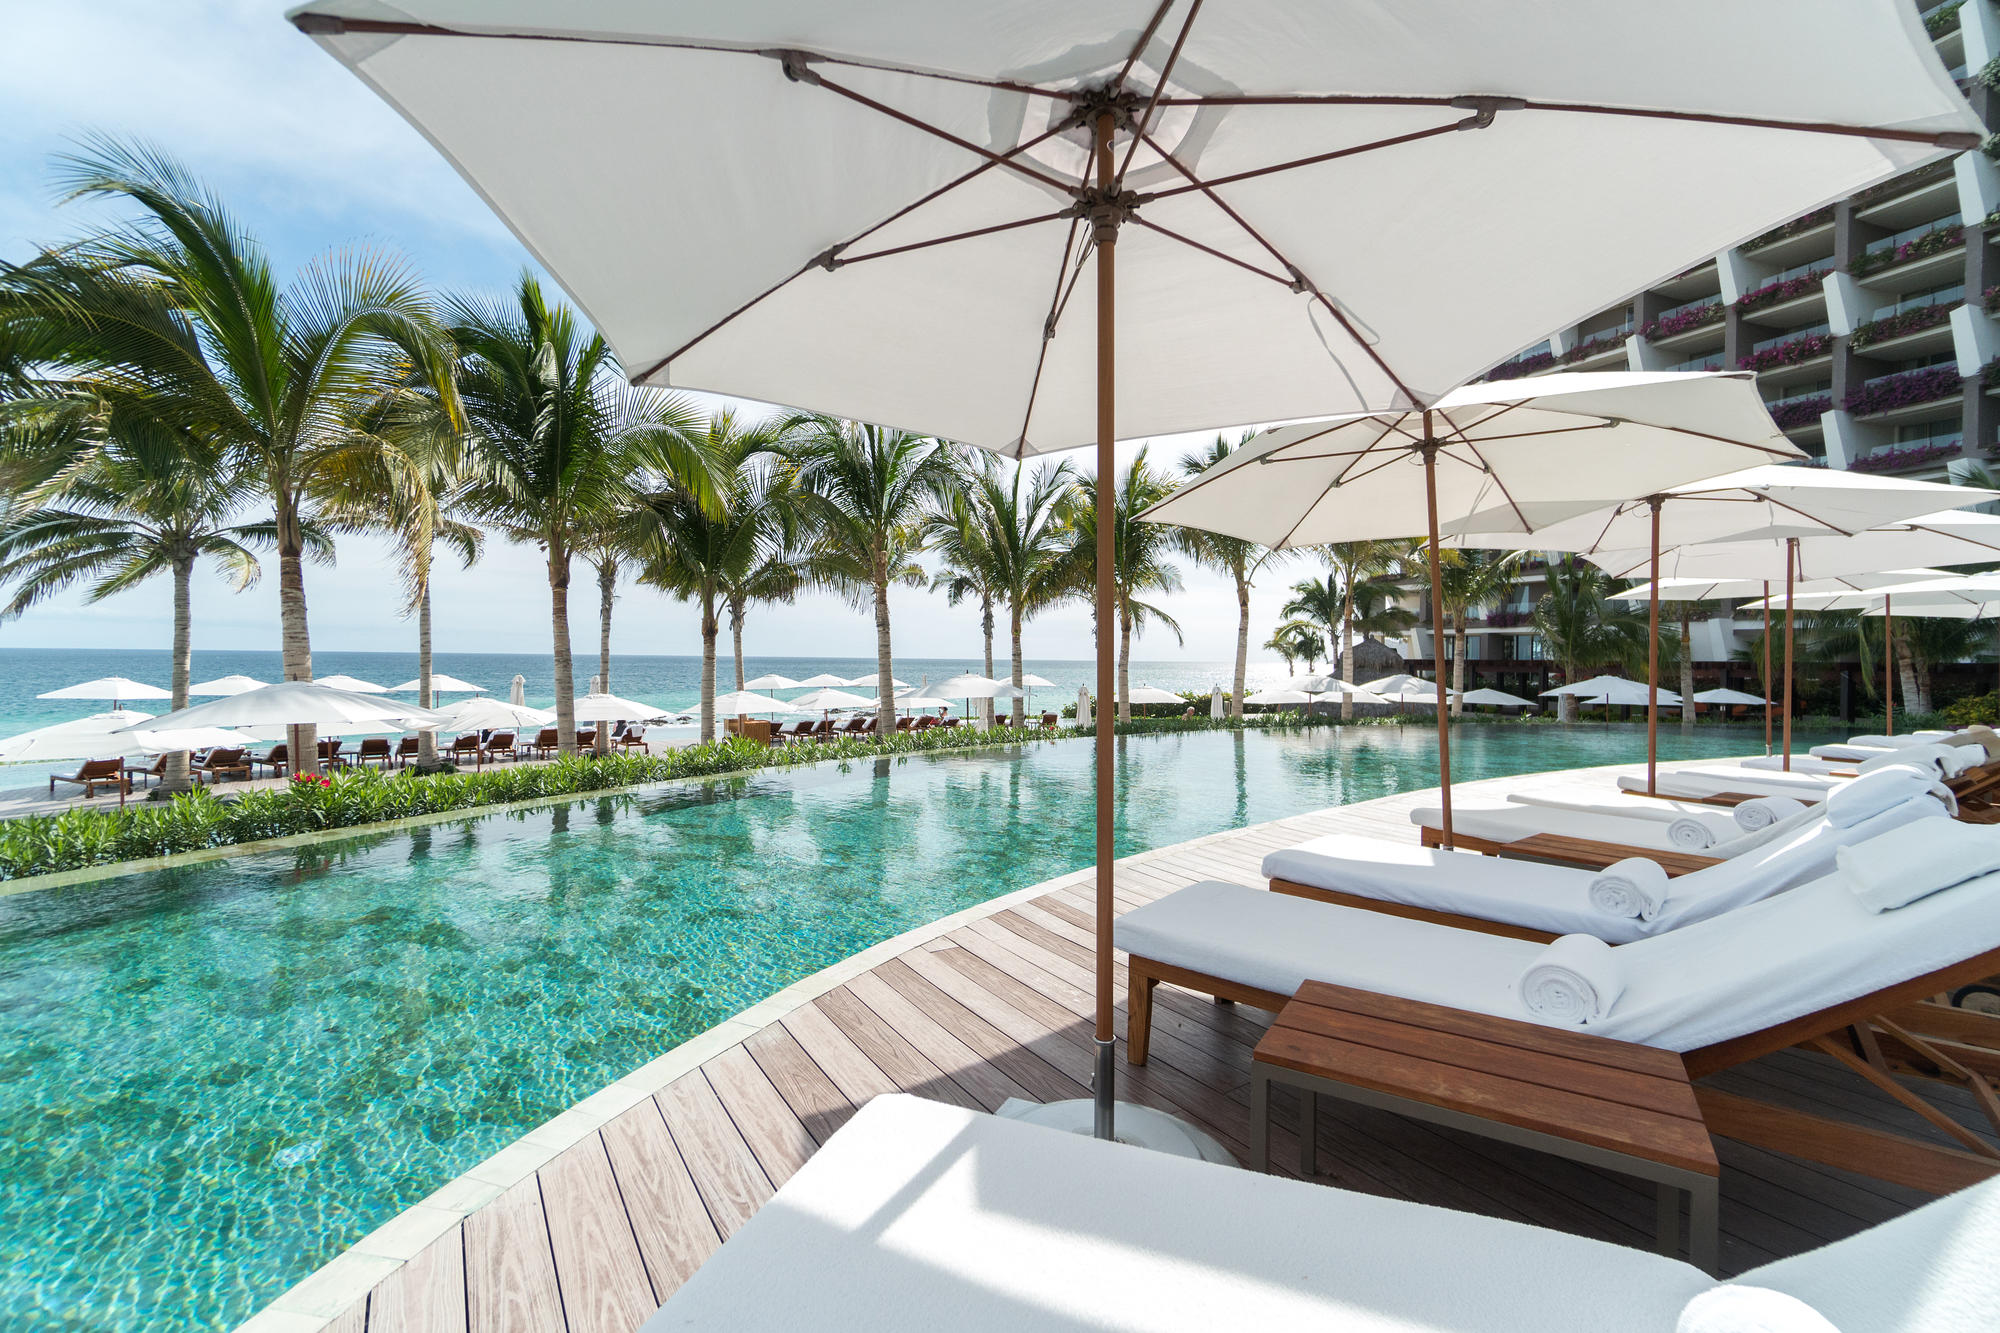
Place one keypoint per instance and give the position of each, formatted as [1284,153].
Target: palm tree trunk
[986,628]
[295,639]
[1687,665]
[1915,677]
[607,592]
[1124,664]
[737,606]
[427,755]
[885,679]
[1460,646]
[565,664]
[1242,646]
[1020,710]
[175,779]
[710,631]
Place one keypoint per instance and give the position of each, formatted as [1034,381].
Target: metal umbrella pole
[1791,568]
[1888,665]
[1653,659]
[1104,221]
[1767,667]
[1430,448]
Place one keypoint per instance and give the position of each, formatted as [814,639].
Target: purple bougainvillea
[1895,460]
[1777,293]
[1905,390]
[1801,411]
[1908,321]
[1527,365]
[1787,353]
[1933,242]
[1682,320]
[1819,217]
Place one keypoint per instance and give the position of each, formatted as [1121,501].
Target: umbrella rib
[1006,159]
[1306,283]
[1049,331]
[1316,159]
[1159,86]
[1505,494]
[819,261]
[1325,491]
[1209,250]
[1145,38]
[844,260]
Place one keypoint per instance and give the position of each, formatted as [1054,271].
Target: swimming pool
[214,1078]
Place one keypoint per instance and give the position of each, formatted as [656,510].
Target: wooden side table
[1605,1103]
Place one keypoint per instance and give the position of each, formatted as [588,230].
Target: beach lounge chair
[330,756]
[406,752]
[823,731]
[500,745]
[631,737]
[545,743]
[859,726]
[374,750]
[1800,968]
[917,1216]
[1050,721]
[466,747]
[586,739]
[221,763]
[1726,784]
[277,759]
[95,773]
[155,770]
[1495,827]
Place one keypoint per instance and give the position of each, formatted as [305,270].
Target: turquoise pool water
[213,1079]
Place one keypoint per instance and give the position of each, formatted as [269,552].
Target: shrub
[1777,293]
[1907,321]
[1975,708]
[1895,460]
[1933,242]
[1681,321]
[1801,411]
[1904,390]
[1527,365]
[1943,20]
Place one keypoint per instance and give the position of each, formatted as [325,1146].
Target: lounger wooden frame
[1582,853]
[1889,1031]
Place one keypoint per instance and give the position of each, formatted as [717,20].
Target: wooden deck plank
[820,1106]
[893,1054]
[510,1273]
[425,1295]
[959,1062]
[725,1171]
[845,1064]
[603,1278]
[354,1319]
[670,1222]
[775,1134]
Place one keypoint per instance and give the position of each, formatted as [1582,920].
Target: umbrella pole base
[1139,1126]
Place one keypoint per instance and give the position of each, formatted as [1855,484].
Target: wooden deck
[997,1007]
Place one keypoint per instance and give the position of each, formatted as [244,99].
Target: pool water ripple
[214,1078]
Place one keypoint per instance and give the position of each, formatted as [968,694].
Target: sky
[312,162]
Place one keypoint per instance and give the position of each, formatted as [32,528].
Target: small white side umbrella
[224,686]
[296,703]
[600,707]
[1034,682]
[352,684]
[93,737]
[772,681]
[440,684]
[1215,704]
[113,688]
[1727,697]
[1497,699]
[740,702]
[517,690]
[967,686]
[1146,694]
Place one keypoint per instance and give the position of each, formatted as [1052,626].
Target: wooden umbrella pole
[1437,632]
[1791,559]
[1653,660]
[1767,666]
[1888,665]
[1106,237]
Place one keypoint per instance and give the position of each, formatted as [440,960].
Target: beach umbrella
[1766,503]
[934,159]
[114,688]
[969,687]
[1612,690]
[440,684]
[598,706]
[517,689]
[1726,698]
[1278,696]
[1215,704]
[351,684]
[1146,694]
[873,679]
[1497,699]
[1403,683]
[915,702]
[1947,537]
[224,686]
[826,700]
[773,682]
[1511,457]
[148,741]
[93,737]
[491,715]
[296,703]
[742,703]
[824,681]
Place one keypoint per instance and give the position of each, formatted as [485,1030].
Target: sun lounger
[1503,822]
[220,763]
[277,759]
[406,751]
[1802,967]
[917,1216]
[545,743]
[155,770]
[632,737]
[92,774]
[500,745]
[1729,784]
[374,750]
[467,747]
[1541,901]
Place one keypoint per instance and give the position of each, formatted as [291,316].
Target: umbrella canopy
[93,737]
[1240,166]
[147,741]
[1497,699]
[600,707]
[517,690]
[967,686]
[1730,697]
[823,681]
[920,703]
[1279,696]
[1146,694]
[490,714]
[873,678]
[295,703]
[739,702]
[1034,682]
[1402,683]
[352,684]
[113,688]
[827,700]
[1948,537]
[1612,690]
[773,681]
[1714,590]
[440,684]
[224,686]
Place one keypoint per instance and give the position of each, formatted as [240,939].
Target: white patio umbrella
[873,681]
[492,714]
[93,737]
[741,703]
[969,686]
[824,681]
[826,700]
[1497,699]
[440,684]
[598,706]
[773,681]
[114,688]
[1726,697]
[1240,165]
[1403,683]
[295,703]
[352,684]
[1146,694]
[1083,718]
[1278,696]
[517,689]
[223,686]
[1609,690]
[148,741]
[1757,504]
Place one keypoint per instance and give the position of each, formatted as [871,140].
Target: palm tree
[867,492]
[778,571]
[1329,602]
[1583,628]
[181,307]
[1468,580]
[962,536]
[145,500]
[1241,560]
[560,444]
[420,529]
[1298,639]
[1139,552]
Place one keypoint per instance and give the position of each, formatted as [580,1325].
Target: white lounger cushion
[1814,765]
[1510,822]
[918,1217]
[1699,782]
[1557,898]
[1731,975]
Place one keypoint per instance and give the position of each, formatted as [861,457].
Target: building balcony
[1912,258]
[1801,412]
[1942,20]
[1788,353]
[1905,395]
[1908,334]
[1910,458]
[1685,324]
[1802,239]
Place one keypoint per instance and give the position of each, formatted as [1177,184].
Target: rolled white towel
[1574,981]
[1879,789]
[1917,859]
[1690,833]
[1945,761]
[1730,1308]
[1632,888]
[1765,811]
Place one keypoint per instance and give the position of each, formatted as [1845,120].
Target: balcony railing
[1527,364]
[1798,226]
[1684,318]
[1787,286]
[1790,350]
[1799,410]
[1908,456]
[1913,320]
[1604,340]
[1887,393]
[1933,238]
